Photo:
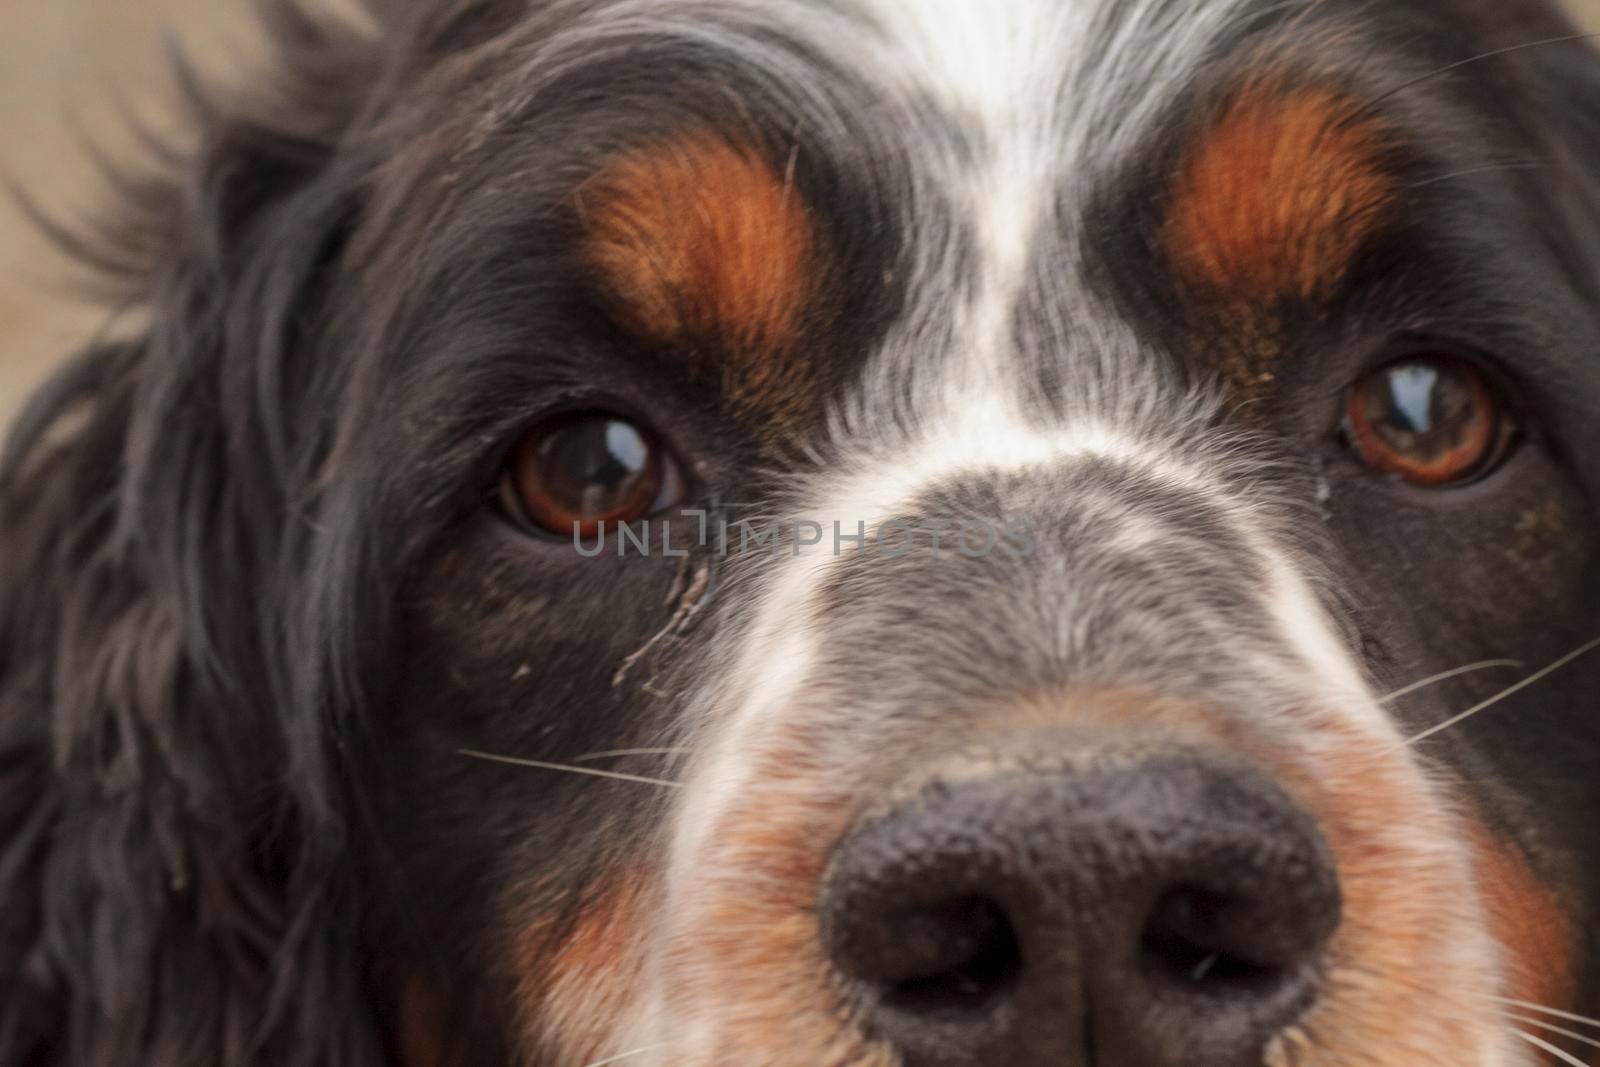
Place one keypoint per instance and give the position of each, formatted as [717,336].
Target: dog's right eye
[571,473]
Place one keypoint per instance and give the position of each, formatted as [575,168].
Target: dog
[865,532]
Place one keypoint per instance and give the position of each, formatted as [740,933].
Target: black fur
[203,542]
[173,870]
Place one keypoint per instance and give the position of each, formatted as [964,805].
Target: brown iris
[1430,420]
[570,474]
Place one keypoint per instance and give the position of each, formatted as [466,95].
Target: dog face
[863,532]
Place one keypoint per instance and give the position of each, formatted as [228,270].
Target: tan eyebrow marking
[700,242]
[1277,193]
[698,237]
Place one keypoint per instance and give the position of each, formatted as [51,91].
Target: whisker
[1471,668]
[1572,1035]
[1487,168]
[1532,679]
[618,753]
[1450,68]
[1527,1005]
[589,771]
[1543,1045]
[625,1055]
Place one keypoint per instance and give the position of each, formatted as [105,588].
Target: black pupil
[599,467]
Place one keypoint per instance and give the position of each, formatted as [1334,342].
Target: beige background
[66,66]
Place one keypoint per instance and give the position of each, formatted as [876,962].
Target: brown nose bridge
[1163,909]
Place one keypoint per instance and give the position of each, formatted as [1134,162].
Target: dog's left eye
[1429,420]
[571,473]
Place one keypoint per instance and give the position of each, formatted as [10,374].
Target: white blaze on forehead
[997,71]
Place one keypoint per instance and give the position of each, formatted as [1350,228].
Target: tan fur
[572,983]
[1275,197]
[748,973]
[1530,920]
[700,242]
[1415,968]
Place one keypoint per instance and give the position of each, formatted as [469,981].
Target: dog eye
[569,474]
[1429,420]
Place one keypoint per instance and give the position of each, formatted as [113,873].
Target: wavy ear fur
[170,814]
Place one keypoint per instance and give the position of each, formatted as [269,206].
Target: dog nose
[1160,913]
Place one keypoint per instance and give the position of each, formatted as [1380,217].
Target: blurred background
[66,69]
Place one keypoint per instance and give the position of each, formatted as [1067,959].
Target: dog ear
[172,888]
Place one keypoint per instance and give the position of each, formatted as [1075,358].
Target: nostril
[969,958]
[1196,940]
[1222,969]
